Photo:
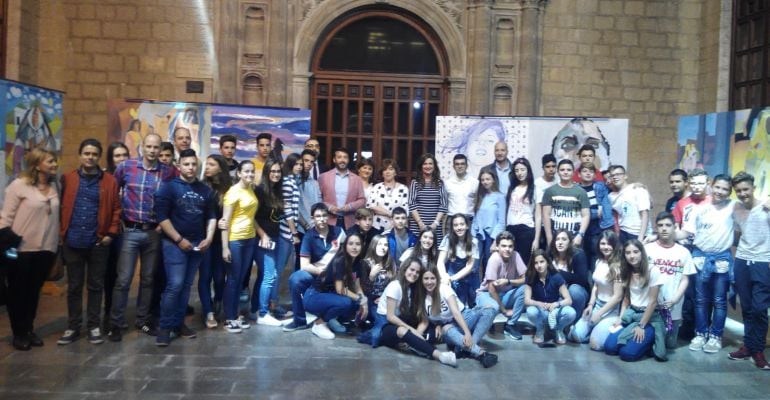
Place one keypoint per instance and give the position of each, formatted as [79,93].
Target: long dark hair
[220,182]
[530,181]
[431,254]
[435,178]
[615,258]
[568,253]
[454,240]
[627,270]
[347,261]
[110,151]
[289,163]
[435,296]
[531,275]
[371,259]
[481,191]
[272,191]
[409,306]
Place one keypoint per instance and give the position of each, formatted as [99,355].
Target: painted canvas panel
[33,118]
[475,137]
[727,142]
[290,127]
[563,137]
[529,137]
[131,121]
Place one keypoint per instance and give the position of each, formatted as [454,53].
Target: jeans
[273,263]
[710,292]
[539,317]
[523,238]
[87,265]
[235,272]
[752,282]
[111,274]
[465,288]
[26,276]
[625,236]
[633,350]
[299,282]
[479,320]
[136,243]
[673,336]
[373,335]
[485,242]
[328,306]
[212,269]
[585,330]
[512,299]
[590,242]
[579,297]
[181,267]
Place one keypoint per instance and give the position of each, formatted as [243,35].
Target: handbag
[57,270]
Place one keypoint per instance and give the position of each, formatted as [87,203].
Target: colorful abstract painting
[131,121]
[33,119]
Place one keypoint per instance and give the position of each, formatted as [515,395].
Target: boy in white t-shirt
[632,203]
[674,263]
[713,233]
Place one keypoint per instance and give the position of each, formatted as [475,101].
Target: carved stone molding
[453,8]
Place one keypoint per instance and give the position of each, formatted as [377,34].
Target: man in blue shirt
[318,247]
[187,211]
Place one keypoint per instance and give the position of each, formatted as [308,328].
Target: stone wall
[639,60]
[649,61]
[97,50]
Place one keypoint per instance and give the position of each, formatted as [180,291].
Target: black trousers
[26,276]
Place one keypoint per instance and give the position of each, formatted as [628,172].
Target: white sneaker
[713,345]
[232,326]
[211,322]
[268,320]
[322,331]
[243,323]
[553,316]
[448,358]
[697,343]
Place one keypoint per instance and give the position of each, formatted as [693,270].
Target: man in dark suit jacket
[501,168]
[319,167]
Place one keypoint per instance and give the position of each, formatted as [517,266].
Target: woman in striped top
[427,198]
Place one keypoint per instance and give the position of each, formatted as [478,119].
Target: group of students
[436,261]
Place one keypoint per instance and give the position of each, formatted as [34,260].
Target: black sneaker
[147,328]
[163,338]
[293,326]
[511,332]
[487,360]
[69,336]
[185,332]
[114,334]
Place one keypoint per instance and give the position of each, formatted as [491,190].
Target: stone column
[531,49]
[479,57]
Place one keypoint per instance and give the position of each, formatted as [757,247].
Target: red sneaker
[760,362]
[742,354]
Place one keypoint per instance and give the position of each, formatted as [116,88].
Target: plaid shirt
[139,186]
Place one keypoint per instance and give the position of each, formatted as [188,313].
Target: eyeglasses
[325,216]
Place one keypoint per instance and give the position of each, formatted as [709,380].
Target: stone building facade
[646,60]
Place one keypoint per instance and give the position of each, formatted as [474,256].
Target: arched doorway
[379,81]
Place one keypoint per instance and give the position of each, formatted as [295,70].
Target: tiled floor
[264,362]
